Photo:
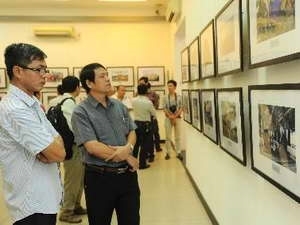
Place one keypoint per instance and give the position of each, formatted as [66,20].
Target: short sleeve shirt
[109,125]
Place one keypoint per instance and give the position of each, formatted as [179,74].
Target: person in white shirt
[57,99]
[73,168]
[29,145]
[121,96]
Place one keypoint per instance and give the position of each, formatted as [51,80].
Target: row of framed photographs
[274,128]
[218,49]
[122,75]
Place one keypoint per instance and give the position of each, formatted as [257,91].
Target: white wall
[235,194]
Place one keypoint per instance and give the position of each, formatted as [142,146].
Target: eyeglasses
[41,71]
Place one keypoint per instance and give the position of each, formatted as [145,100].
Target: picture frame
[3,82]
[76,71]
[121,75]
[186,105]
[231,123]
[275,137]
[185,62]
[229,39]
[273,30]
[194,65]
[208,109]
[196,109]
[161,94]
[155,74]
[82,96]
[2,94]
[47,96]
[59,73]
[207,51]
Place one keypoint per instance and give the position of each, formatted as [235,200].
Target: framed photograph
[231,123]
[2,78]
[185,71]
[161,94]
[122,75]
[76,71]
[194,60]
[273,29]
[46,97]
[155,74]
[275,137]
[208,109]
[195,109]
[186,105]
[229,38]
[207,51]
[58,74]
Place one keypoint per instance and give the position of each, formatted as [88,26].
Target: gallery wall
[234,193]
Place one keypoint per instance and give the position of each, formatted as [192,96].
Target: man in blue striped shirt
[29,146]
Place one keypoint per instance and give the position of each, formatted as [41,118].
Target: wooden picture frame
[273,30]
[209,114]
[155,74]
[207,51]
[231,123]
[46,97]
[3,82]
[194,65]
[196,109]
[58,74]
[229,39]
[275,137]
[185,68]
[186,106]
[121,75]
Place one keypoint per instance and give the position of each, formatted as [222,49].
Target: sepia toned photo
[121,75]
[208,117]
[207,51]
[186,106]
[231,123]
[194,60]
[274,17]
[185,72]
[277,134]
[155,74]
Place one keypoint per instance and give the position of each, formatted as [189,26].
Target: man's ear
[16,71]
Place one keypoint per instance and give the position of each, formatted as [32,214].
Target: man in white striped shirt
[29,146]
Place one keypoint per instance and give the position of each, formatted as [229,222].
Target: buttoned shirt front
[109,125]
[30,186]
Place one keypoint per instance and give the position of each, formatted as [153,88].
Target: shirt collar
[13,90]
[95,103]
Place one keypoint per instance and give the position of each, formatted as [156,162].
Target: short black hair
[142,89]
[88,73]
[69,84]
[21,54]
[172,82]
[145,79]
[59,89]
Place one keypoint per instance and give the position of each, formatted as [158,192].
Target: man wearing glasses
[105,133]
[29,146]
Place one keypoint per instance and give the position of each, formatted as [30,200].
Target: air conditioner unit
[173,10]
[60,31]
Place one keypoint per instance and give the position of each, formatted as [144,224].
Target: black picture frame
[273,32]
[196,109]
[207,51]
[185,68]
[231,122]
[209,114]
[274,131]
[228,24]
[186,106]
[194,65]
